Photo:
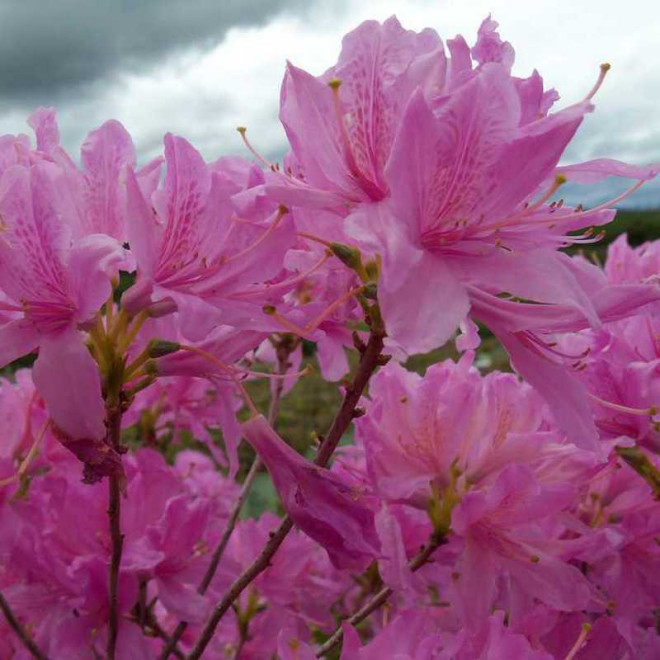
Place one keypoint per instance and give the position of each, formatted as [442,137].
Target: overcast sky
[202,67]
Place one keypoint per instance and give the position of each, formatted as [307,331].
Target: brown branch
[284,350]
[381,597]
[113,421]
[370,359]
[21,633]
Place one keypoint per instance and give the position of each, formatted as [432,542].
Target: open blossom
[445,168]
[505,542]
[55,280]
[340,164]
[193,250]
[96,193]
[422,433]
[436,163]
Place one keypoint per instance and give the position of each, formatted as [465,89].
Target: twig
[284,350]
[21,633]
[369,361]
[117,539]
[381,597]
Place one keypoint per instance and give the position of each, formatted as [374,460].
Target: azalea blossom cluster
[471,515]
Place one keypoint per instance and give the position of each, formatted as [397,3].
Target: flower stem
[21,633]
[113,421]
[370,359]
[379,599]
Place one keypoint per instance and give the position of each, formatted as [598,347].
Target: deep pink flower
[318,501]
[446,169]
[414,634]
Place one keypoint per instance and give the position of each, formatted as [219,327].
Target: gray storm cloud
[49,48]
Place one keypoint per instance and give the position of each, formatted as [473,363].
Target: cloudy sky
[202,67]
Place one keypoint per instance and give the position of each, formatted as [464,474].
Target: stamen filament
[604,68]
[314,324]
[284,284]
[260,374]
[586,628]
[279,214]
[316,239]
[334,85]
[25,463]
[218,362]
[569,217]
[286,324]
[559,181]
[243,130]
[640,412]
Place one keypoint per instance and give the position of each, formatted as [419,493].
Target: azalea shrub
[464,513]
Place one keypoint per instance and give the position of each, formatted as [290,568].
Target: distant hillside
[641,226]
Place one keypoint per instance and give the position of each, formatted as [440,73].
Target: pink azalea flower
[97,193]
[621,362]
[413,635]
[530,333]
[500,643]
[318,501]
[321,307]
[191,247]
[453,189]
[419,431]
[506,547]
[340,164]
[58,279]
[623,559]
[297,593]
